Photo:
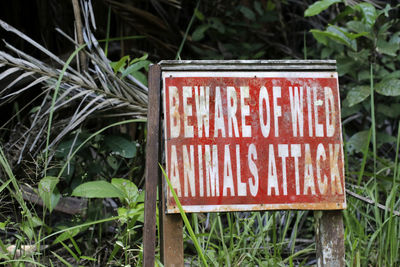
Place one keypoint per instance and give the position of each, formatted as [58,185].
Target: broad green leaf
[361,56]
[27,230]
[129,189]
[198,14]
[258,8]
[358,26]
[140,77]
[388,48]
[326,52]
[383,29]
[319,6]
[358,141]
[97,189]
[136,213]
[353,36]
[142,196]
[48,192]
[388,87]
[369,13]
[334,33]
[66,147]
[117,66]
[320,36]
[341,35]
[113,162]
[358,94]
[270,5]
[383,138]
[348,111]
[140,209]
[345,66]
[135,67]
[198,34]
[393,75]
[392,111]
[363,75]
[121,146]
[36,221]
[144,57]
[247,12]
[395,39]
[385,11]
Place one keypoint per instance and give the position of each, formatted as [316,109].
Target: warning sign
[253,140]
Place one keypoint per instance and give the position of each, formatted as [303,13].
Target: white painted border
[250,74]
[258,207]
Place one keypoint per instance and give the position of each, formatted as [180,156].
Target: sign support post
[152,168]
[171,227]
[171,243]
[245,135]
[329,238]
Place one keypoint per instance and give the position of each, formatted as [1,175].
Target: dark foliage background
[121,39]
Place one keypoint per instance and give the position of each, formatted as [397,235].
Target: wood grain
[152,168]
[329,239]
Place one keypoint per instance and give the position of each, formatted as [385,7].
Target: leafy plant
[223,30]
[49,192]
[365,42]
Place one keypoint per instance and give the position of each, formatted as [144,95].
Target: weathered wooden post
[153,154]
[329,238]
[249,135]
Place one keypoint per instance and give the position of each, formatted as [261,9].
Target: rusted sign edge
[290,65]
[250,74]
[254,207]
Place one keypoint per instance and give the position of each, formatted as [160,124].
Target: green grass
[286,238]
[275,238]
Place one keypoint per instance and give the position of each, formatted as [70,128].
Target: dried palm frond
[81,95]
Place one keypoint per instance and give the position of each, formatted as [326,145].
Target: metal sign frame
[329,224]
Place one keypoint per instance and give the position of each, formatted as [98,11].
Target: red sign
[253,140]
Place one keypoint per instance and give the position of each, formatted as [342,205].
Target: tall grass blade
[53,101]
[372,104]
[83,225]
[73,254]
[61,259]
[35,263]
[185,219]
[396,171]
[178,54]
[365,156]
[16,193]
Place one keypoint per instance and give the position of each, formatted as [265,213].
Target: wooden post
[329,238]
[171,235]
[171,232]
[152,168]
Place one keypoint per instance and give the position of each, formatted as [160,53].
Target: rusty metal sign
[253,140]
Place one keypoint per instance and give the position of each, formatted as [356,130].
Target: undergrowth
[71,140]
